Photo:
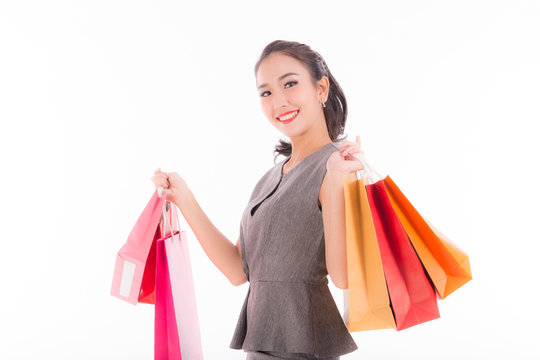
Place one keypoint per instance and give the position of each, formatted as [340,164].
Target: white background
[95,95]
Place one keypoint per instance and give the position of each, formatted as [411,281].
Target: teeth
[287,117]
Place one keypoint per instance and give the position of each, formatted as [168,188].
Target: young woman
[292,232]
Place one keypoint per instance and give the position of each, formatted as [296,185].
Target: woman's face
[288,98]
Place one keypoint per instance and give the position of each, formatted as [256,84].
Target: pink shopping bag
[177,332]
[132,256]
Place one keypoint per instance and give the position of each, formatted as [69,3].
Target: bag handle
[164,210]
[370,173]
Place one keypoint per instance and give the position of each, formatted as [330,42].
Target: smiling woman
[292,230]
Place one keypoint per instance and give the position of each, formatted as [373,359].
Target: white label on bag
[127,278]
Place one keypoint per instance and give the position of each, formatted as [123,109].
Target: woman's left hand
[341,163]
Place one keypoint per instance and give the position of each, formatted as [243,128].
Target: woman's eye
[290,82]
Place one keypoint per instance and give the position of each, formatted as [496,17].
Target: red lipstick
[288,120]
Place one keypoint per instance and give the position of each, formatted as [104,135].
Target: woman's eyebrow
[281,77]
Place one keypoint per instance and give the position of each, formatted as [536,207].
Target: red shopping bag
[412,297]
[148,286]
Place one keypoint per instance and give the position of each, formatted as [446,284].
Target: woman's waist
[289,282]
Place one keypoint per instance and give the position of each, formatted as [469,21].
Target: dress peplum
[289,307]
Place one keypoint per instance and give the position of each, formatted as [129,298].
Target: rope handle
[166,205]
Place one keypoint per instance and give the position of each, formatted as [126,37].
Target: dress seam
[322,282]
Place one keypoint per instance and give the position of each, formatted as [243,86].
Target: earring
[324,104]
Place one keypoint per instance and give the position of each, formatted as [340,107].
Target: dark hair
[335,111]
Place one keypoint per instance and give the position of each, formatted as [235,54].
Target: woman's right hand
[173,185]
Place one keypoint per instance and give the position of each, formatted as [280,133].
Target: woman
[292,232]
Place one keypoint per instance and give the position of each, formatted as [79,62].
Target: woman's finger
[161,183]
[162,177]
[345,143]
[159,177]
[348,142]
[348,147]
[351,149]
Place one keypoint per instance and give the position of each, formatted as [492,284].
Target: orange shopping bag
[447,265]
[367,302]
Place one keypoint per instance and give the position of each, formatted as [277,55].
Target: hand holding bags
[410,295]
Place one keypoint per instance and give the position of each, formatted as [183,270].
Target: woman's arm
[220,250]
[332,198]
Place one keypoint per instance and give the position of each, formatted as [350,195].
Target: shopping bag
[366,300]
[177,322]
[447,265]
[166,339]
[413,298]
[148,286]
[132,256]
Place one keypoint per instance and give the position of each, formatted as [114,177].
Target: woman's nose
[280,101]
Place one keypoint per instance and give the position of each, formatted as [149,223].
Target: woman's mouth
[285,119]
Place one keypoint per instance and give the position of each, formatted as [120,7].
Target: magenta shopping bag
[166,340]
[177,332]
[148,285]
[132,256]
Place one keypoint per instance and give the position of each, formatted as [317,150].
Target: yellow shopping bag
[367,302]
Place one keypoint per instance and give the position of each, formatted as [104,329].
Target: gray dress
[288,308]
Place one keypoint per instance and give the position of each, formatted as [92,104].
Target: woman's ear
[323,88]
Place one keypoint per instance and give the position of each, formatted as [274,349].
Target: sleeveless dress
[288,308]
